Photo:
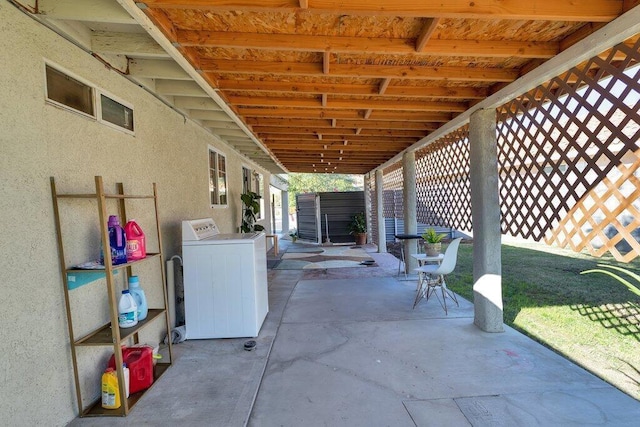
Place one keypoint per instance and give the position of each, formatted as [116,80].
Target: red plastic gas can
[139,360]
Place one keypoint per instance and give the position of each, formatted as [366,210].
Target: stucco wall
[38,141]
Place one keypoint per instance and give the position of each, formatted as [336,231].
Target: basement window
[217,178]
[68,92]
[115,113]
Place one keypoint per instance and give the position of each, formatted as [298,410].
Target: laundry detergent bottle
[117,241]
[127,310]
[110,390]
[136,245]
[138,294]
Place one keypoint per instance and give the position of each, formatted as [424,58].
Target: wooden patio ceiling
[343,86]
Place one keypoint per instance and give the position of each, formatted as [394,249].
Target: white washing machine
[225,281]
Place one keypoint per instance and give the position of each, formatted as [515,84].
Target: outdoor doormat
[327,257]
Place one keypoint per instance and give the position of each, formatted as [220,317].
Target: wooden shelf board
[115,267]
[103,336]
[96,409]
[107,196]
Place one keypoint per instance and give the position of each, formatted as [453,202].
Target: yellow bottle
[110,390]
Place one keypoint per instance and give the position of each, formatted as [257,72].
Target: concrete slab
[436,413]
[212,382]
[351,351]
[553,408]
[364,299]
[348,353]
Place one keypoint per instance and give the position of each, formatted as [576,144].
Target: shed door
[307,214]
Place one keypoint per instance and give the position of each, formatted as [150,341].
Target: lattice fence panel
[373,218]
[393,184]
[568,157]
[443,188]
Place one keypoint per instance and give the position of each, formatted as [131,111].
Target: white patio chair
[431,277]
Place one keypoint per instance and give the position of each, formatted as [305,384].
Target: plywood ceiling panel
[371,75]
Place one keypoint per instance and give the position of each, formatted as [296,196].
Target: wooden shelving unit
[106,335]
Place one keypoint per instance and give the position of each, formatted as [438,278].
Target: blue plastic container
[117,241]
[138,295]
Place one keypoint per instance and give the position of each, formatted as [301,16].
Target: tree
[300,183]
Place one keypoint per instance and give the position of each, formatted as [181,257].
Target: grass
[590,319]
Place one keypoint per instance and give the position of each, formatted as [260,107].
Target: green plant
[632,288]
[358,224]
[430,236]
[250,212]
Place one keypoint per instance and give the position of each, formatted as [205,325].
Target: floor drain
[250,345]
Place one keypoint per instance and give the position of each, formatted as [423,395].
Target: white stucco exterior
[38,141]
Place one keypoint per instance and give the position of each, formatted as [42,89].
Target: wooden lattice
[393,184]
[373,218]
[568,157]
[609,213]
[443,188]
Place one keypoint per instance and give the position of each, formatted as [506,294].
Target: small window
[69,92]
[217,178]
[246,180]
[114,112]
[259,189]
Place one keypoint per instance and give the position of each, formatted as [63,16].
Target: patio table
[401,238]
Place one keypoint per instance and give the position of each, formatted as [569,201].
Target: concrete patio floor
[344,347]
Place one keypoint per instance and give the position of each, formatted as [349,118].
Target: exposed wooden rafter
[351,83]
[341,44]
[411,72]
[559,10]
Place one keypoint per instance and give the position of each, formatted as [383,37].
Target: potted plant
[432,242]
[358,228]
[251,202]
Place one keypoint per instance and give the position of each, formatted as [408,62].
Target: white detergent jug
[138,295]
[127,310]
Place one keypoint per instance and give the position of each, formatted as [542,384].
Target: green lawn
[591,319]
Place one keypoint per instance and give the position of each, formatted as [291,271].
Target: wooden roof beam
[367,45]
[319,113]
[373,156]
[412,72]
[348,124]
[370,145]
[336,138]
[384,84]
[558,10]
[350,103]
[336,131]
[326,60]
[428,28]
[455,92]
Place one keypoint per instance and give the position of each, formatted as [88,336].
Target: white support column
[285,212]
[382,237]
[367,204]
[410,209]
[485,213]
